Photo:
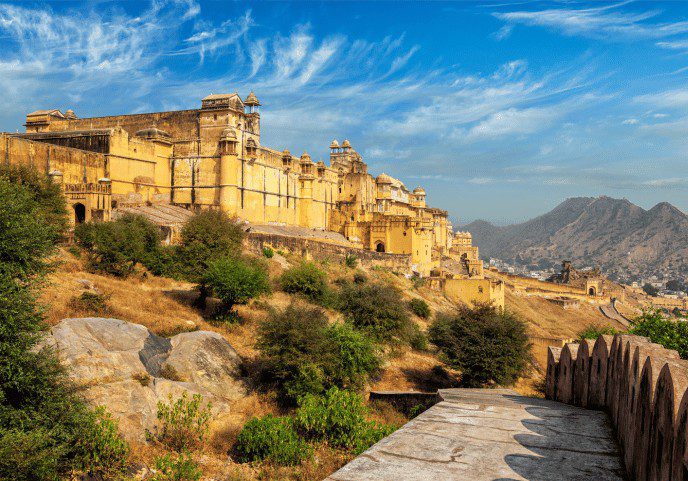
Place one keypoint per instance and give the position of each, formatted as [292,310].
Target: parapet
[644,388]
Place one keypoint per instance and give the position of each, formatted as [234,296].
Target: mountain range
[626,241]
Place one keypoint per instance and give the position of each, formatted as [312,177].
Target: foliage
[305,279]
[304,354]
[46,195]
[90,302]
[350,261]
[207,236]
[676,285]
[105,451]
[26,236]
[360,277]
[268,252]
[340,418]
[184,422]
[650,290]
[116,247]
[179,468]
[41,418]
[672,334]
[418,339]
[271,438]
[235,281]
[593,331]
[419,307]
[375,308]
[485,344]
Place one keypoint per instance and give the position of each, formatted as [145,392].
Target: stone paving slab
[493,435]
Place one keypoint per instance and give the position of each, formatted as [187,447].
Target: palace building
[213,158]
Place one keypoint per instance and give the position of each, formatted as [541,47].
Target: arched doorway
[592,291]
[379,247]
[79,213]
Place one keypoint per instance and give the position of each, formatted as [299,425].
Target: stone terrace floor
[495,435]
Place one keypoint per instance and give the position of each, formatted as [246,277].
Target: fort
[166,164]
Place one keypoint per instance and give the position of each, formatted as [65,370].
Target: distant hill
[625,240]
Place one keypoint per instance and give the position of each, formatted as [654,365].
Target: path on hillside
[613,313]
[493,435]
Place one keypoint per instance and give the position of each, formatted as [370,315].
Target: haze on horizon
[501,111]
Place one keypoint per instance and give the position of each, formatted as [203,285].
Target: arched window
[379,247]
[79,213]
[591,291]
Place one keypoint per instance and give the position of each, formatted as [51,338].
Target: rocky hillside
[625,240]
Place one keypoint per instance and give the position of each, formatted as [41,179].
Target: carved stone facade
[212,157]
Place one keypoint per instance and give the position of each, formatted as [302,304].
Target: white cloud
[598,22]
[630,122]
[513,121]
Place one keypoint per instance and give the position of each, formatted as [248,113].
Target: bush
[180,468]
[420,308]
[486,345]
[271,438]
[650,290]
[350,261]
[184,422]
[593,331]
[268,252]
[116,247]
[667,332]
[418,339]
[235,281]
[208,235]
[360,278]
[305,279]
[41,418]
[304,354]
[375,308]
[340,418]
[105,451]
[93,303]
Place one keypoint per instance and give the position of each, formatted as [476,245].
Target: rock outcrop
[128,369]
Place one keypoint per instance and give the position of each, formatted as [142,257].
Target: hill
[625,240]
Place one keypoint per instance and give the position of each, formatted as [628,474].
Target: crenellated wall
[644,388]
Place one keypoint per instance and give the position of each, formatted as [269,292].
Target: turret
[251,103]
[286,159]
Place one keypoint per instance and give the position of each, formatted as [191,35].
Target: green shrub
[486,345]
[184,422]
[350,261]
[339,418]
[116,247]
[179,468]
[593,331]
[235,281]
[305,279]
[650,290]
[375,308]
[93,303]
[420,308]
[105,451]
[418,339]
[41,418]
[268,252]
[360,278]
[303,354]
[208,235]
[271,438]
[672,334]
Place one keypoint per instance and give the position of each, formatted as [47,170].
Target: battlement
[643,387]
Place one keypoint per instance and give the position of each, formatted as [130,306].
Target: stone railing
[642,386]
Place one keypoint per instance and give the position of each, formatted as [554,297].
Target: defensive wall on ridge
[644,389]
[545,289]
[322,249]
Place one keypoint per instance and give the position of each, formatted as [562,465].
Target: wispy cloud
[609,21]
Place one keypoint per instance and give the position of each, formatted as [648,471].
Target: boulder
[128,369]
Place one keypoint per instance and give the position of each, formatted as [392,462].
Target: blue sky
[501,109]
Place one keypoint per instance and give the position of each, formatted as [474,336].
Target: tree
[208,235]
[377,309]
[41,419]
[235,281]
[116,247]
[650,290]
[485,344]
[661,330]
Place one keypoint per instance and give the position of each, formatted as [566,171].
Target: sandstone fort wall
[643,387]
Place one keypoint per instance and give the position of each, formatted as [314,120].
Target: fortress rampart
[643,387]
